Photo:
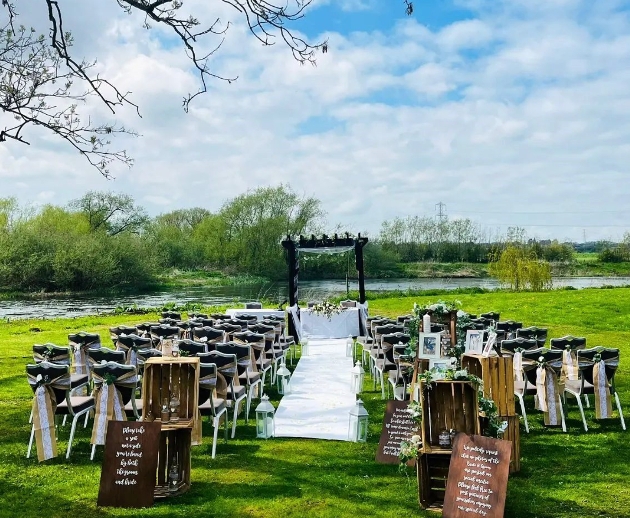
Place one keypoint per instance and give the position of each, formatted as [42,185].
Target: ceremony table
[339,325]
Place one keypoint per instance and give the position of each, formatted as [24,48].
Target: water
[73,306]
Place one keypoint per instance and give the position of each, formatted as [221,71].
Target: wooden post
[358,253]
[294,271]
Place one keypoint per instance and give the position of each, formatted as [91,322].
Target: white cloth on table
[339,325]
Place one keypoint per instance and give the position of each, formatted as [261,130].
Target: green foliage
[519,269]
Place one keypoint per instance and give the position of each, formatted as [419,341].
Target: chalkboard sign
[397,426]
[130,464]
[477,477]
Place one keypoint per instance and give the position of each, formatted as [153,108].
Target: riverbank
[563,475]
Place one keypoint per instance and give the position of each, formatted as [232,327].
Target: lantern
[305,346]
[357,378]
[358,425]
[283,375]
[265,427]
[349,347]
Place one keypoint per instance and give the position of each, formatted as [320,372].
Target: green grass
[577,474]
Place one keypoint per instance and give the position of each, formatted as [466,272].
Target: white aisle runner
[320,400]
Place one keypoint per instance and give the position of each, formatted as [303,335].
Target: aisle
[320,400]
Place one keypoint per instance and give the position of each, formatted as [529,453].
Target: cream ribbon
[44,407]
[131,353]
[547,395]
[569,365]
[109,404]
[517,362]
[603,400]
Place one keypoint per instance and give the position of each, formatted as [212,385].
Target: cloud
[513,107]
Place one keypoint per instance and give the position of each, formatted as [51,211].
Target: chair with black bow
[230,389]
[248,374]
[115,386]
[51,388]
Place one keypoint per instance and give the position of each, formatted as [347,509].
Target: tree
[255,223]
[519,269]
[111,212]
[41,83]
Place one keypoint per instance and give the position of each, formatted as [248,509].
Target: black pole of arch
[358,254]
[294,270]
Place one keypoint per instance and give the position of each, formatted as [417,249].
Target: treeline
[105,240]
[414,238]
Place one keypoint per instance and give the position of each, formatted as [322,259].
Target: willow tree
[518,268]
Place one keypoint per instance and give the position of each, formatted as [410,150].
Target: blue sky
[512,112]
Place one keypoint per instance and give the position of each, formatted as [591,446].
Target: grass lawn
[577,474]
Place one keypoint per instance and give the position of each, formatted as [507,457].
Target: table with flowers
[335,324]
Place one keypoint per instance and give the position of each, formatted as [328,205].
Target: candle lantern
[283,375]
[349,347]
[358,425]
[265,427]
[305,345]
[357,378]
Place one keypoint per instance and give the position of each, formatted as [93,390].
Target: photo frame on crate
[490,344]
[474,341]
[440,364]
[429,345]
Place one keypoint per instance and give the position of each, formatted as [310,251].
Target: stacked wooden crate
[446,406]
[164,377]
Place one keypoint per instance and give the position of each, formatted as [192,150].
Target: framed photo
[474,341]
[430,345]
[492,340]
[440,364]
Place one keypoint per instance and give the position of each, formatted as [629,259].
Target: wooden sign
[130,464]
[397,426]
[477,477]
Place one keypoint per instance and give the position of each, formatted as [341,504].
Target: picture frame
[440,364]
[429,345]
[474,341]
[489,346]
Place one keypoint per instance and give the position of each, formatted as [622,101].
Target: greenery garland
[327,309]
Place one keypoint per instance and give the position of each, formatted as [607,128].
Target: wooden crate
[447,405]
[432,471]
[497,374]
[513,434]
[174,446]
[163,376]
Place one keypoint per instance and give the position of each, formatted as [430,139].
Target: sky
[509,112]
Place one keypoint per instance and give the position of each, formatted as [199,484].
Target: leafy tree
[518,268]
[113,213]
[256,222]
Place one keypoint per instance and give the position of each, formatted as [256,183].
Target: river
[72,306]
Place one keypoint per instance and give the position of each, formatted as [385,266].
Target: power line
[545,212]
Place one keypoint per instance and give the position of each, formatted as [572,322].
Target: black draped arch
[325,244]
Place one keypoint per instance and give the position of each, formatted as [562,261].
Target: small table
[259,313]
[340,325]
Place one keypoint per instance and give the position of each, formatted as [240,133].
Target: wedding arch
[323,245]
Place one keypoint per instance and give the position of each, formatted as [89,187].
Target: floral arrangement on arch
[327,309]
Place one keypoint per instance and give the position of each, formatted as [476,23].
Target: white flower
[433,307]
[415,439]
[461,313]
[541,359]
[503,427]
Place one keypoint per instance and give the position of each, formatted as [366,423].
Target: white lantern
[305,346]
[265,426]
[357,378]
[283,375]
[358,425]
[349,347]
